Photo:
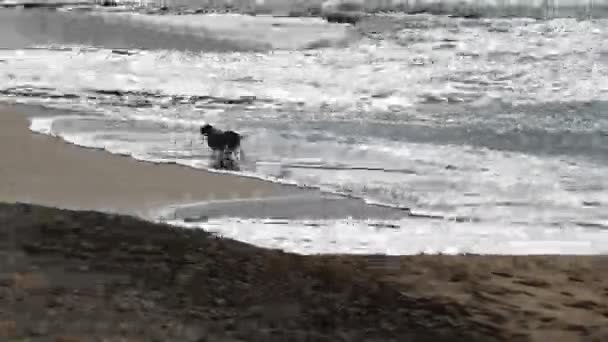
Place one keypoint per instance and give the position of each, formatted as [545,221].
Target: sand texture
[45,170]
[80,275]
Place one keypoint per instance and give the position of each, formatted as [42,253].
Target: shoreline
[99,270]
[244,207]
[74,177]
[229,195]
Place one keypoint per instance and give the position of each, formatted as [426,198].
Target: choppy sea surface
[495,130]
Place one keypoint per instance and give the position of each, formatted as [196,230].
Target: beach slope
[45,170]
[84,274]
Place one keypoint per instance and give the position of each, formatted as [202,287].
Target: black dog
[228,143]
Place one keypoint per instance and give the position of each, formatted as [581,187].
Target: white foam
[97,139]
[481,184]
[42,125]
[526,62]
[558,60]
[406,237]
[479,7]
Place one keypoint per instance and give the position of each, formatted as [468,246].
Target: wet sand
[45,170]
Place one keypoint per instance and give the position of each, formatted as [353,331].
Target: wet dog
[225,143]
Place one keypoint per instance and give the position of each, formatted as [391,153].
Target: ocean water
[492,132]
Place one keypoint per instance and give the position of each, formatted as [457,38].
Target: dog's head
[205,130]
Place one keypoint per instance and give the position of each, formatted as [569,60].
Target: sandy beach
[85,275]
[80,259]
[45,170]
[89,276]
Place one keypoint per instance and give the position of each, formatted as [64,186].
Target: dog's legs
[218,154]
[217,159]
[231,161]
[226,160]
[213,157]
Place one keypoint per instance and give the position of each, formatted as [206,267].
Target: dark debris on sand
[86,274]
[73,276]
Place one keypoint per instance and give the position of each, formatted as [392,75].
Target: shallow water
[187,33]
[492,129]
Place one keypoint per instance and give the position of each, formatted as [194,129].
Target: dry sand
[45,170]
